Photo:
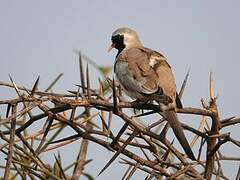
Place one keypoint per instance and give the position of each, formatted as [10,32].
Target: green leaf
[105,70]
[105,86]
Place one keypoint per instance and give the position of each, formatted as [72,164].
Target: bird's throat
[120,49]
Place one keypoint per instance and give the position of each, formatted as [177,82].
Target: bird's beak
[111,47]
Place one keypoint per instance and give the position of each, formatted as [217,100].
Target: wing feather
[147,72]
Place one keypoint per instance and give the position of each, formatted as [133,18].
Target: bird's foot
[138,103]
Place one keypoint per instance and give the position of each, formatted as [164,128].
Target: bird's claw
[137,103]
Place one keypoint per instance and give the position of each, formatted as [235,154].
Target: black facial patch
[118,41]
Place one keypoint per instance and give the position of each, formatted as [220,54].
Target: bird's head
[124,38]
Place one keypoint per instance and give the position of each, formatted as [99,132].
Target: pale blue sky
[38,38]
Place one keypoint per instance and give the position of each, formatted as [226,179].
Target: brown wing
[165,76]
[152,71]
[144,76]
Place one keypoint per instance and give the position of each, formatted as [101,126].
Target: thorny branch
[85,112]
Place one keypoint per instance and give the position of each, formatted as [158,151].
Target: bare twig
[11,143]
[151,153]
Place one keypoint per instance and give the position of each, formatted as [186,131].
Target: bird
[146,76]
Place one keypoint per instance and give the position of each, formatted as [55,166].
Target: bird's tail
[172,119]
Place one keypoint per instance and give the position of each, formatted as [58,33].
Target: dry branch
[146,150]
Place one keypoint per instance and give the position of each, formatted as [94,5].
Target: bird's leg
[165,102]
[138,102]
[143,103]
[135,103]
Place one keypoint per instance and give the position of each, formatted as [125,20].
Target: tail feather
[172,119]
